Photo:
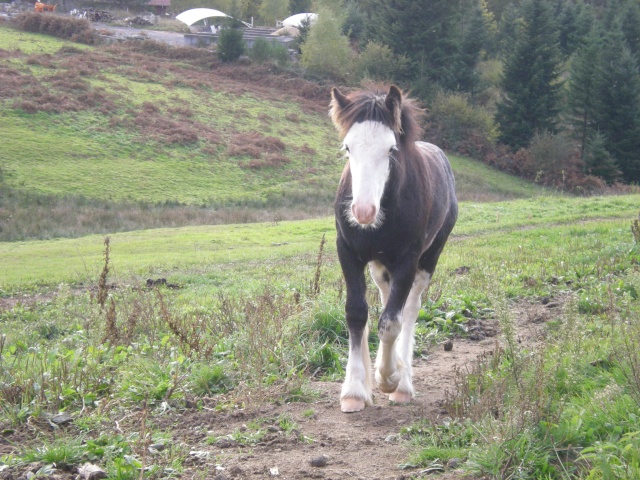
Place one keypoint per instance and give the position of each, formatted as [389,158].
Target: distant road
[171,38]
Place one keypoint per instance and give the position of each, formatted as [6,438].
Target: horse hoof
[400,397]
[351,405]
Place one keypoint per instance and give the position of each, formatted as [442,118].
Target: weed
[111,329]
[314,290]
[287,424]
[300,394]
[325,360]
[635,230]
[187,331]
[102,281]
[63,454]
[330,327]
[627,355]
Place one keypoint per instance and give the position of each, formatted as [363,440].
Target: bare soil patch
[327,444]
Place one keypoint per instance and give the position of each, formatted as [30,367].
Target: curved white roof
[296,20]
[196,14]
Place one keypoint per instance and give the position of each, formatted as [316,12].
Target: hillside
[143,127]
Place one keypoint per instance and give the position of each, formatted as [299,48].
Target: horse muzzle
[364,214]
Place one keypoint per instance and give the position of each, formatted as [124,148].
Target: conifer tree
[598,161]
[475,38]
[618,115]
[630,23]
[427,34]
[231,45]
[530,80]
[585,83]
[574,24]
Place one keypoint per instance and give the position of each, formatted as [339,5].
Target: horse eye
[345,148]
[393,150]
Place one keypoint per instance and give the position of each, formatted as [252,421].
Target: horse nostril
[371,214]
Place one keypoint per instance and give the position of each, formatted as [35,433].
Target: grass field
[28,265]
[579,251]
[101,140]
[250,313]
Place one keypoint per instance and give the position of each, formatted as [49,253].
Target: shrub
[261,50]
[378,62]
[75,29]
[210,379]
[264,51]
[231,45]
[456,124]
[552,157]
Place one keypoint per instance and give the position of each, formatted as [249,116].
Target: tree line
[544,88]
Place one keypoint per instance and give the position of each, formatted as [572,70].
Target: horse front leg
[357,387]
[391,367]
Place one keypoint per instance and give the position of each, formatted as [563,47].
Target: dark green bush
[264,51]
[456,124]
[230,44]
[261,50]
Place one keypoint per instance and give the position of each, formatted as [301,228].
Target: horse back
[440,193]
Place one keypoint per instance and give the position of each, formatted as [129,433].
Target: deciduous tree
[326,52]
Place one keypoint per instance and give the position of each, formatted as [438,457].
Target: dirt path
[328,444]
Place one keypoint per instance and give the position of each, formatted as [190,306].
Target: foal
[395,208]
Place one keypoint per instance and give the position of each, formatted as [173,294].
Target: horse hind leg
[404,344]
[387,378]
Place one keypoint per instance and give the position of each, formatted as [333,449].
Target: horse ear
[338,99]
[339,103]
[393,102]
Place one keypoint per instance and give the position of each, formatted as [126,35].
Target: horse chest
[388,244]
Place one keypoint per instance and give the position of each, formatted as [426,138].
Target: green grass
[191,252]
[477,182]
[33,43]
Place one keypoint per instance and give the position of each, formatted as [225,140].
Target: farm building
[160,6]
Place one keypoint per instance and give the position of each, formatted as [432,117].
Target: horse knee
[389,327]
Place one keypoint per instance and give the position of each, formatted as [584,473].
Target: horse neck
[406,169]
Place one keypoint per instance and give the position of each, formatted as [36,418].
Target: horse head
[373,129]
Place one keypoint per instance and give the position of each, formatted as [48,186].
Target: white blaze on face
[369,146]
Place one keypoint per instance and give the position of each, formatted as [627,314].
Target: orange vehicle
[45,7]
